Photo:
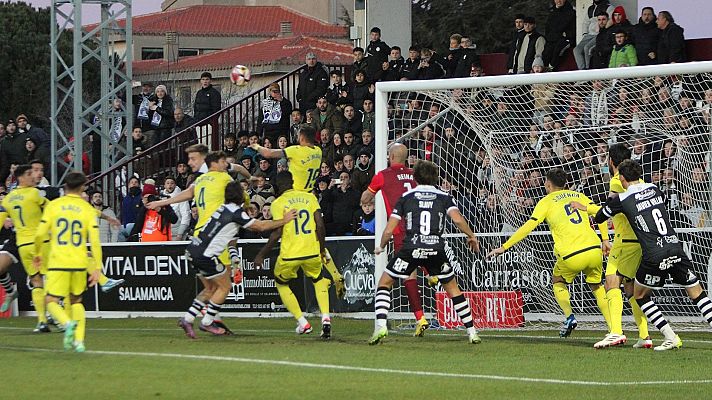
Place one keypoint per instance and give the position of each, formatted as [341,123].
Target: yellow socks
[103,279]
[38,299]
[289,300]
[561,293]
[600,295]
[321,288]
[58,313]
[639,318]
[615,305]
[78,315]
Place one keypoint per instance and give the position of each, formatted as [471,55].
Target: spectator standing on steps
[276,111]
[646,35]
[671,45]
[560,33]
[584,48]
[313,82]
[207,102]
[377,53]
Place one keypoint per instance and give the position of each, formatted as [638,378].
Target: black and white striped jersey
[644,206]
[223,226]
[424,210]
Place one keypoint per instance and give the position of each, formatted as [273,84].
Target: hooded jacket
[624,25]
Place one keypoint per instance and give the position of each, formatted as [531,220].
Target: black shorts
[10,249]
[674,265]
[435,262]
[208,267]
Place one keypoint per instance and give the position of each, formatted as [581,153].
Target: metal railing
[160,160]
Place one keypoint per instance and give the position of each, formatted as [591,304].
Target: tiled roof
[285,50]
[231,21]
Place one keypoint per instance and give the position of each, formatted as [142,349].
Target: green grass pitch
[150,358]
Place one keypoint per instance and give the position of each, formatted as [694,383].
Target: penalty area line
[243,360]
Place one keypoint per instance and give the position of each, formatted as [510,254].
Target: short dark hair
[36,161]
[518,16]
[414,48]
[602,13]
[357,49]
[169,177]
[214,156]
[618,153]
[396,48]
[630,170]
[206,74]
[21,169]
[253,133]
[231,135]
[668,16]
[283,181]
[234,193]
[425,173]
[376,29]
[335,72]
[557,177]
[198,148]
[652,10]
[75,180]
[308,132]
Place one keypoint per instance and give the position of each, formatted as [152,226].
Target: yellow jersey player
[302,247]
[71,224]
[24,205]
[208,193]
[304,163]
[576,245]
[623,262]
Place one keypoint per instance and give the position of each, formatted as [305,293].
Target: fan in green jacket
[623,54]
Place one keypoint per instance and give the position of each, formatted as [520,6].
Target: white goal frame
[384,89]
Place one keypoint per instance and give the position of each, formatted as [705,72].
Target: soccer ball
[240,75]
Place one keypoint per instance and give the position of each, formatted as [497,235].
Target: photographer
[152,225]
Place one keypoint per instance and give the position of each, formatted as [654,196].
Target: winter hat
[282,162]
[149,187]
[161,87]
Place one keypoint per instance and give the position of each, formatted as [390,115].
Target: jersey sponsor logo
[425,196]
[651,280]
[146,265]
[645,194]
[645,204]
[669,262]
[157,293]
[661,240]
[423,253]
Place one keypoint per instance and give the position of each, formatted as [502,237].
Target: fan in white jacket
[182,209]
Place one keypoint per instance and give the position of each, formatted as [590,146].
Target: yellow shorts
[624,259]
[27,255]
[590,262]
[285,271]
[61,284]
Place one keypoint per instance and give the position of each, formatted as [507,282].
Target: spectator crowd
[520,133]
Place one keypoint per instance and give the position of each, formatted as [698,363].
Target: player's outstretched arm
[185,195]
[518,236]
[267,153]
[464,227]
[271,242]
[387,234]
[612,207]
[262,225]
[241,170]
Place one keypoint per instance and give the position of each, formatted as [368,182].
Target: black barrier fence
[159,279]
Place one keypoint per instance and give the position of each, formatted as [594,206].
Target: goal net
[494,139]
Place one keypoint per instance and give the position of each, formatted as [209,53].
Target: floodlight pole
[91,118]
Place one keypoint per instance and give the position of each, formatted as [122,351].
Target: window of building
[151,53]
[188,52]
[184,96]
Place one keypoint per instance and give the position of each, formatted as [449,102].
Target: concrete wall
[632,11]
[392,16]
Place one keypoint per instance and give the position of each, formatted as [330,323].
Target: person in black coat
[646,35]
[140,104]
[160,113]
[411,64]
[430,67]
[313,82]
[207,100]
[468,58]
[393,69]
[345,201]
[338,94]
[360,90]
[560,33]
[377,53]
[605,40]
[671,45]
[517,36]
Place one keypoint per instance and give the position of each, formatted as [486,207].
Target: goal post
[494,138]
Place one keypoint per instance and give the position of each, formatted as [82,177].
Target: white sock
[381,323]
[325,318]
[302,321]
[668,332]
[471,330]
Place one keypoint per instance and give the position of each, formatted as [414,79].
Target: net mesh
[495,144]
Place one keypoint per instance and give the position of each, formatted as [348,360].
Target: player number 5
[572,211]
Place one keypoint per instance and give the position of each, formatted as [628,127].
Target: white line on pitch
[244,360]
[430,333]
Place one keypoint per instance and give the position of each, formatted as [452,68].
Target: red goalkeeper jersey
[393,182]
